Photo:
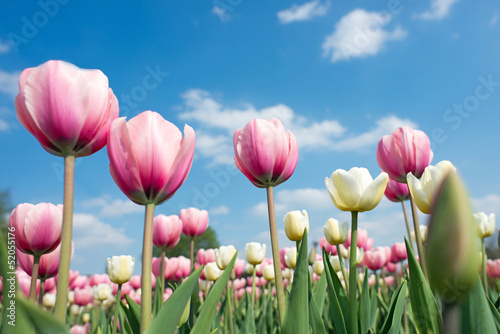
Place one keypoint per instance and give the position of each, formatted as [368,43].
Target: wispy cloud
[221,13]
[304,12]
[90,232]
[5,47]
[9,83]
[110,207]
[494,20]
[220,210]
[488,204]
[439,10]
[360,34]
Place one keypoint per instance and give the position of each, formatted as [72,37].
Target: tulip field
[436,279]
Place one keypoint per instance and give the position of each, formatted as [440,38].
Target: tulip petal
[373,193]
[334,195]
[363,177]
[291,162]
[43,228]
[347,187]
[18,221]
[240,164]
[417,194]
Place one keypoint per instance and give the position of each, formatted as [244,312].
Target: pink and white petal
[43,228]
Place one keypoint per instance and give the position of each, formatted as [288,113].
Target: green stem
[34,277]
[147,253]
[483,267]
[194,294]
[418,239]
[353,273]
[451,319]
[253,287]
[162,273]
[408,229]
[42,291]
[276,255]
[192,254]
[297,247]
[229,308]
[342,268]
[117,305]
[66,235]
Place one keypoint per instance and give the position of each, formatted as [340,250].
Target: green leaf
[157,298]
[315,320]
[476,312]
[425,310]
[133,312]
[495,314]
[297,311]
[209,308]
[336,312]
[248,325]
[43,322]
[373,310]
[168,317]
[364,306]
[319,292]
[392,322]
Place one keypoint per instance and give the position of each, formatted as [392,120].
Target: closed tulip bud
[330,249]
[335,261]
[291,257]
[120,268]
[423,191]
[344,252]
[493,268]
[71,297]
[268,272]
[452,245]
[166,231]
[102,291]
[423,233]
[205,285]
[49,300]
[396,191]
[86,317]
[355,190]
[318,267]
[194,221]
[335,232]
[224,255]
[485,224]
[249,268]
[295,222]
[255,253]
[212,271]
[312,256]
[74,309]
[375,259]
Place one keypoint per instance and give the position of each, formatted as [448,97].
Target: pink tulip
[167,294]
[83,297]
[241,293]
[389,280]
[404,151]
[79,282]
[330,249]
[50,284]
[493,268]
[37,227]
[239,283]
[375,259]
[183,268]
[97,279]
[48,265]
[171,266]
[79,329]
[362,238]
[398,252]
[69,110]
[149,159]
[135,281]
[205,256]
[396,191]
[24,281]
[194,221]
[368,244]
[265,152]
[166,231]
[391,267]
[126,289]
[239,267]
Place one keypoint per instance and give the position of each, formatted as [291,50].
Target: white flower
[486,224]
[212,271]
[255,252]
[224,255]
[335,232]
[102,291]
[295,222]
[120,268]
[291,257]
[49,300]
[268,272]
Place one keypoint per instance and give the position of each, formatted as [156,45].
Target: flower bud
[485,224]
[86,317]
[291,257]
[224,255]
[205,285]
[212,271]
[120,268]
[295,223]
[49,300]
[255,252]
[335,261]
[318,267]
[268,272]
[312,256]
[102,291]
[335,231]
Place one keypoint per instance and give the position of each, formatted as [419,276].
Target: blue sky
[340,75]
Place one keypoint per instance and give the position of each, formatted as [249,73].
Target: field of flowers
[437,279]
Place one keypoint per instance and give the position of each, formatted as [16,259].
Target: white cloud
[112,207]
[328,134]
[221,13]
[494,19]
[89,232]
[488,204]
[4,126]
[438,11]
[360,34]
[303,12]
[220,210]
[9,82]
[5,47]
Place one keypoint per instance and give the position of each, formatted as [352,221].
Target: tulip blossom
[48,263]
[69,110]
[212,271]
[398,252]
[37,227]
[295,222]
[423,233]
[97,279]
[194,221]
[493,268]
[291,257]
[335,262]
[485,224]
[79,282]
[80,329]
[268,272]
[120,268]
[404,151]
[396,191]
[255,252]
[335,232]
[102,291]
[362,238]
[166,231]
[265,152]
[330,249]
[424,190]
[205,285]
[171,266]
[84,296]
[224,255]
[390,267]
[135,281]
[318,267]
[239,267]
[355,190]
[375,259]
[49,300]
[204,256]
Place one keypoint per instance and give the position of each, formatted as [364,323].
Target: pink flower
[375,259]
[493,268]
[24,281]
[404,151]
[265,152]
[79,282]
[37,227]
[135,281]
[183,268]
[389,280]
[171,266]
[126,289]
[239,283]
[396,191]
[398,252]
[205,256]
[194,221]
[69,110]
[239,267]
[48,265]
[166,231]
[330,249]
[80,329]
[361,241]
[391,267]
[97,279]
[50,284]
[149,159]
[84,296]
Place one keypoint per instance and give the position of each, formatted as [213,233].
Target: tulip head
[291,257]
[295,222]
[423,233]
[335,261]
[255,252]
[194,221]
[224,255]
[268,272]
[120,268]
[318,267]
[265,152]
[485,224]
[355,190]
[212,271]
[404,151]
[493,268]
[396,191]
[166,231]
[49,300]
[335,232]
[375,259]
[330,249]
[102,291]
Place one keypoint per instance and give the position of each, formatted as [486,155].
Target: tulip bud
[312,256]
[205,285]
[335,232]
[249,268]
[335,261]
[224,255]
[360,253]
[74,309]
[344,252]
[71,297]
[291,257]
[49,300]
[485,224]
[212,271]
[452,244]
[423,233]
[268,272]
[255,253]
[86,317]
[318,267]
[102,291]
[295,223]
[120,268]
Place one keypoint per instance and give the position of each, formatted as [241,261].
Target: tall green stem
[162,273]
[192,253]
[66,235]
[408,229]
[34,277]
[276,254]
[195,292]
[253,288]
[483,267]
[41,292]
[117,305]
[229,308]
[451,319]
[418,239]
[147,254]
[341,262]
[353,273]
